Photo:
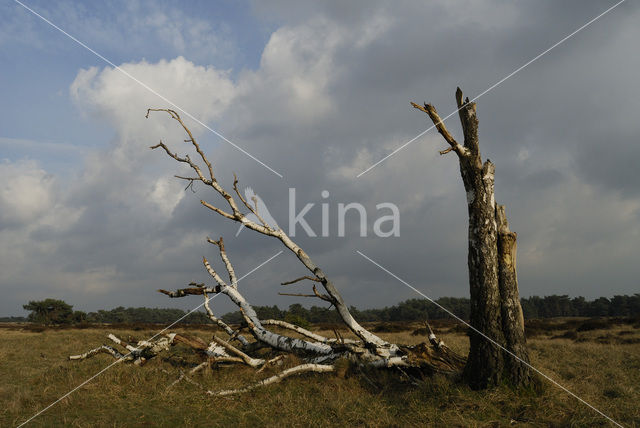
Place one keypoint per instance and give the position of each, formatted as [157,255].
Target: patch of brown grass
[35,373]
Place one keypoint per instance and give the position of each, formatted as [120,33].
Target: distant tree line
[563,306]
[51,311]
[409,310]
[421,309]
[145,315]
[13,319]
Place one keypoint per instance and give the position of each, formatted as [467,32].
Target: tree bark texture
[495,305]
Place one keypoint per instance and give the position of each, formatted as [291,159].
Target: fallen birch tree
[317,353]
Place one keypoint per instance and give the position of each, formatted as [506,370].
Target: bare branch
[193,342]
[257,214]
[310,278]
[218,210]
[235,188]
[297,329]
[432,337]
[185,159]
[442,129]
[322,296]
[297,295]
[460,104]
[271,362]
[196,291]
[226,360]
[469,122]
[176,116]
[316,294]
[233,334]
[274,340]
[225,259]
[122,343]
[104,349]
[303,368]
[253,362]
[188,178]
[253,209]
[185,377]
[213,273]
[137,354]
[338,336]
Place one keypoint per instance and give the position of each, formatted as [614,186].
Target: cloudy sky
[317,91]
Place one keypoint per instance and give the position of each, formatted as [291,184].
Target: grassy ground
[601,364]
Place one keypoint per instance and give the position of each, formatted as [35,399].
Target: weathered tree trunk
[511,311]
[495,305]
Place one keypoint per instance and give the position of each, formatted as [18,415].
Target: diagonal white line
[151,338]
[487,337]
[517,70]
[147,87]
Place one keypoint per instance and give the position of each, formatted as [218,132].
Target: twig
[310,278]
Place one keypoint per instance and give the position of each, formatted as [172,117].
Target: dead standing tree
[495,304]
[317,352]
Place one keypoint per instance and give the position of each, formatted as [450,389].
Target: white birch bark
[303,368]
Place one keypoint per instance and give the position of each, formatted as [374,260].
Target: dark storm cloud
[331,97]
[534,127]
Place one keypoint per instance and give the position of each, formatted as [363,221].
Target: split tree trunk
[495,304]
[511,311]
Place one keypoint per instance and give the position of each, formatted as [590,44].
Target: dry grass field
[599,362]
